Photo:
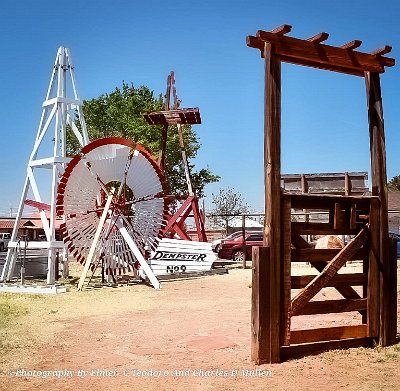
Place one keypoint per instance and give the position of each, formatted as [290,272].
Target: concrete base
[33,289]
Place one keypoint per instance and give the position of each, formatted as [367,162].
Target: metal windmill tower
[62,107]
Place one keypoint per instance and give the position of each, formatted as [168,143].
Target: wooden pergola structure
[273,302]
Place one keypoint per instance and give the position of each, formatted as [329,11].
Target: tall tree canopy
[119,113]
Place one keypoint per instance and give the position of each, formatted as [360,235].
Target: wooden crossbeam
[352,45]
[308,53]
[321,37]
[340,280]
[333,306]
[382,51]
[329,272]
[281,30]
[329,333]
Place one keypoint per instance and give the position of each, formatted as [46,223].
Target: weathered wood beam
[328,333]
[352,45]
[303,52]
[281,30]
[329,272]
[382,51]
[333,306]
[387,307]
[324,254]
[295,351]
[260,306]
[286,271]
[272,169]
[321,37]
[340,280]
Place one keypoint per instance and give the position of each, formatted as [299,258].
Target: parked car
[215,244]
[396,236]
[4,239]
[233,249]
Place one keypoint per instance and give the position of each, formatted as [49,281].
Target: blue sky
[324,117]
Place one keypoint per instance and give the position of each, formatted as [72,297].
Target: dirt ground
[192,334]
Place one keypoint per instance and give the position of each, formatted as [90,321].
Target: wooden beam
[272,169]
[286,271]
[379,188]
[321,229]
[329,272]
[281,30]
[382,51]
[373,271]
[352,45]
[321,37]
[328,333]
[333,306]
[340,280]
[323,254]
[303,52]
[260,306]
[295,351]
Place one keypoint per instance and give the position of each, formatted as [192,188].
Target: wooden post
[286,271]
[244,241]
[373,271]
[261,306]
[379,188]
[272,169]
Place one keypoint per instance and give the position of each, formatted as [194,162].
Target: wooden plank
[373,271]
[325,201]
[352,45]
[328,333]
[295,351]
[392,292]
[272,170]
[340,280]
[321,37]
[379,188]
[302,52]
[260,306]
[286,271]
[329,272]
[333,306]
[321,229]
[382,51]
[323,254]
[281,30]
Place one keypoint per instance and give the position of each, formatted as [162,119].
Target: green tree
[394,183]
[119,114]
[228,203]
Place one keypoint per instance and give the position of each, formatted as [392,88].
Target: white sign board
[181,256]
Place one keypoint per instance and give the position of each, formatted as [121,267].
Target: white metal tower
[59,110]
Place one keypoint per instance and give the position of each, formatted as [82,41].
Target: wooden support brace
[352,45]
[329,272]
[321,37]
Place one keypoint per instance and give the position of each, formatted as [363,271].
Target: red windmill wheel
[121,232]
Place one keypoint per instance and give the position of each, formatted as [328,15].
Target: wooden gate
[278,297]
